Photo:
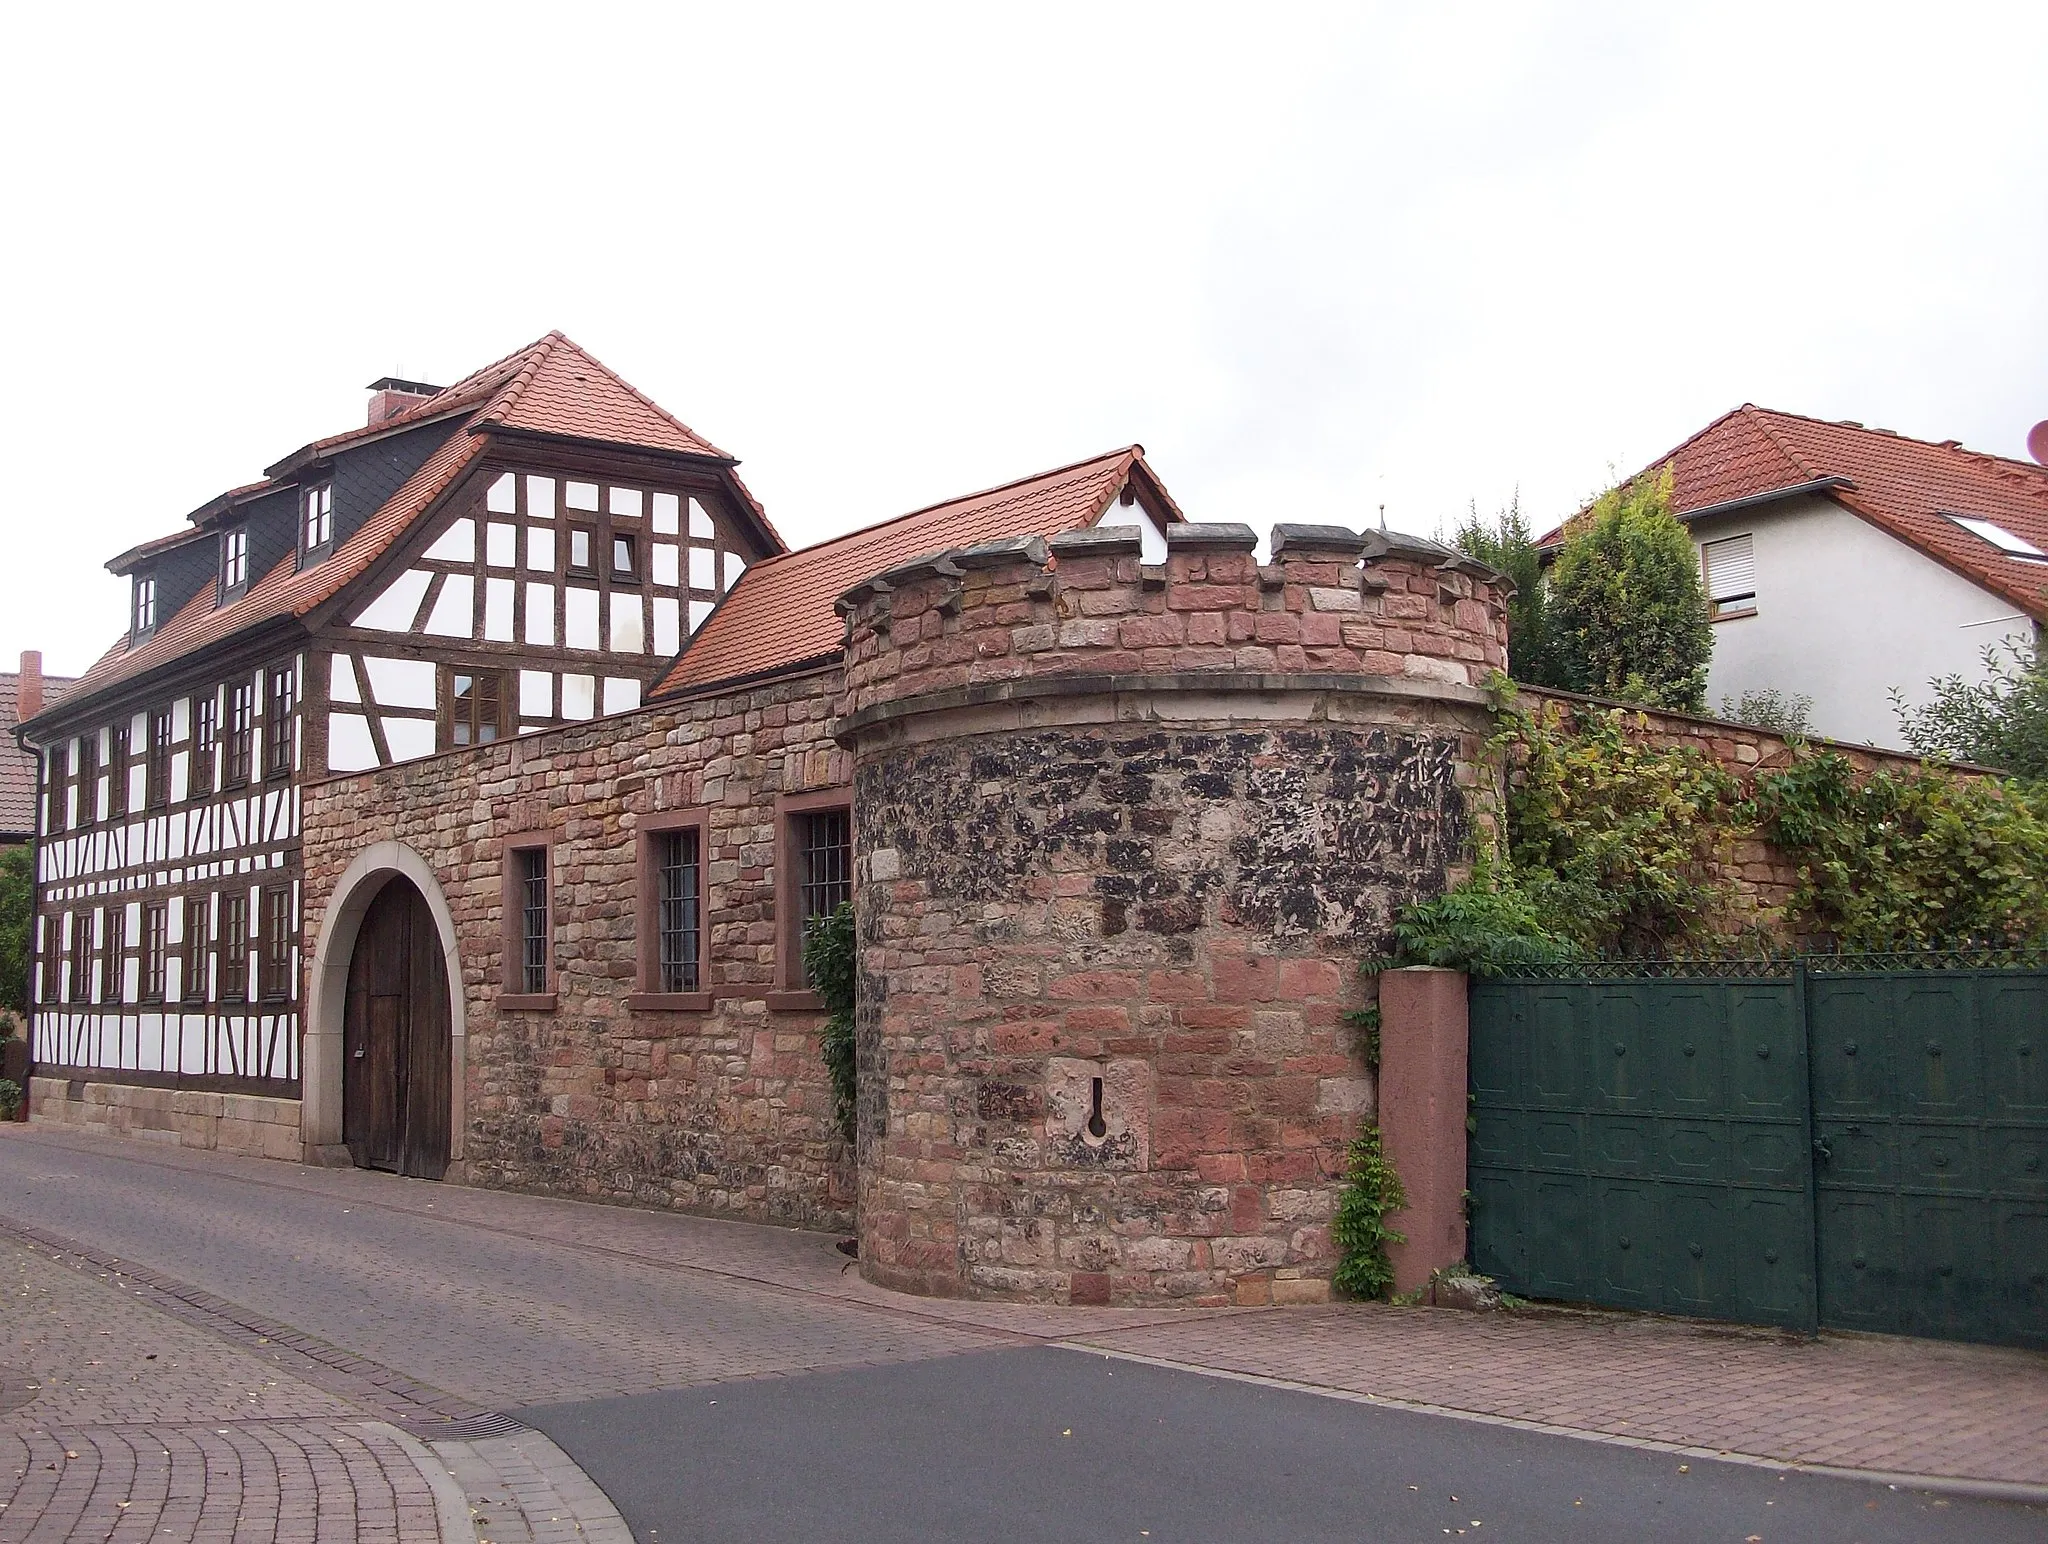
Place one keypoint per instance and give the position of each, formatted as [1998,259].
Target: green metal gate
[1860,1143]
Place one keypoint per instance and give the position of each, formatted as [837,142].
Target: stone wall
[1760,878]
[255,1125]
[1124,835]
[723,1110]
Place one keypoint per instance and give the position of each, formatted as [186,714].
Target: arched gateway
[396,1042]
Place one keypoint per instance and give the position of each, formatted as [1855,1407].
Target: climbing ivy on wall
[1909,859]
[829,958]
[1614,843]
[1372,1190]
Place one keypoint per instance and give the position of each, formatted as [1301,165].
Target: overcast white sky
[1315,259]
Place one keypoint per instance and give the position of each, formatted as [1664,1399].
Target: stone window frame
[512,996]
[792,994]
[647,994]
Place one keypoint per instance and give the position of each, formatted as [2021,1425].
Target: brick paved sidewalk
[1851,1401]
[120,1422]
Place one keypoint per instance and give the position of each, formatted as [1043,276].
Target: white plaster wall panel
[540,614]
[700,522]
[457,544]
[579,696]
[454,614]
[400,683]
[409,738]
[498,610]
[703,569]
[664,514]
[540,549]
[666,567]
[699,610]
[536,694]
[1844,613]
[620,696]
[1151,542]
[580,618]
[349,746]
[501,545]
[503,497]
[580,496]
[667,625]
[393,610]
[628,631]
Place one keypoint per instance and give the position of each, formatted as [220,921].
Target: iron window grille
[534,934]
[680,910]
[277,943]
[155,950]
[824,871]
[205,732]
[277,737]
[234,948]
[114,955]
[241,734]
[159,760]
[194,984]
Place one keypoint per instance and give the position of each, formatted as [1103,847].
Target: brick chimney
[390,396]
[28,686]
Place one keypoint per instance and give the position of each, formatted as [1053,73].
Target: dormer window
[234,561]
[318,529]
[145,604]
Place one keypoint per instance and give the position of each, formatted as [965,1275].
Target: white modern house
[1842,562]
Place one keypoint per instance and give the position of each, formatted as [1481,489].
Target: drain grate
[467,1428]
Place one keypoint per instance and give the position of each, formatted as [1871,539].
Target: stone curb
[1938,1484]
[450,1505]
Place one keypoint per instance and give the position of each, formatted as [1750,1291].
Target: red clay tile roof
[549,387]
[780,614]
[1902,486]
[17,766]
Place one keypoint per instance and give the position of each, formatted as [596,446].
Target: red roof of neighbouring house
[780,615]
[1905,487]
[550,388]
[18,766]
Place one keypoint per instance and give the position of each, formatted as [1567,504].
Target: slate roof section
[1903,486]
[18,766]
[780,615]
[551,387]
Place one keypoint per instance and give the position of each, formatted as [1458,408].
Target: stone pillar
[1423,1042]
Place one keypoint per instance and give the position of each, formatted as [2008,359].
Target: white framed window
[145,603]
[1730,565]
[319,522]
[234,559]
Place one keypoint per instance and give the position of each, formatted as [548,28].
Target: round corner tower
[1123,833]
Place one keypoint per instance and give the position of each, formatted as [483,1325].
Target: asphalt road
[1048,1446]
[724,1383]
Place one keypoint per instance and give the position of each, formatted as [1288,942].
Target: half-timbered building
[526,548]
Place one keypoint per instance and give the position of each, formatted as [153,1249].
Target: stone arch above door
[373,868]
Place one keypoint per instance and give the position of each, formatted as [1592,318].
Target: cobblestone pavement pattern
[506,1300]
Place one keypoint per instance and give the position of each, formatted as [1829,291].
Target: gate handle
[1821,1150]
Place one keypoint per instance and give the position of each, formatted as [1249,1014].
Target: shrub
[2000,721]
[1782,713]
[830,958]
[1627,613]
[1507,545]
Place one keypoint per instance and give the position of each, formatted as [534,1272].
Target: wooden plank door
[396,1045]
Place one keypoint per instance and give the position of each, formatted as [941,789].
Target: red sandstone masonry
[1168,902]
[726,1111]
